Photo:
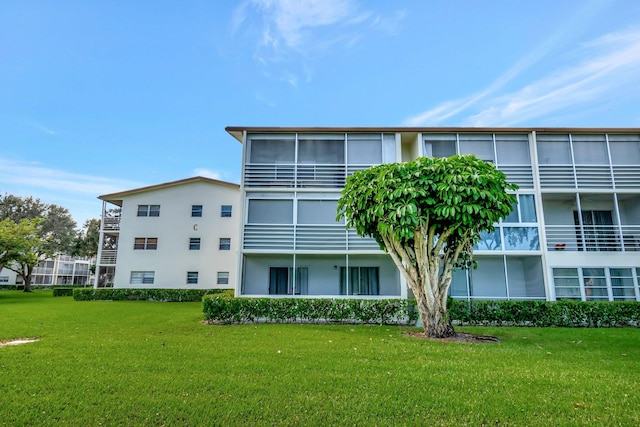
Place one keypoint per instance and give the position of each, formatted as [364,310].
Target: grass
[145,363]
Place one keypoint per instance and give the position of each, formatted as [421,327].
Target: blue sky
[103,96]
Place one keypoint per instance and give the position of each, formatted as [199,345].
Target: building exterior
[180,234]
[575,233]
[61,270]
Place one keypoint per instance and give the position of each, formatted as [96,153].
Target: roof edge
[119,195]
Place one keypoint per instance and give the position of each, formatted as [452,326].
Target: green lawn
[145,363]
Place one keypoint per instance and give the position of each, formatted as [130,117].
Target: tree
[86,242]
[427,215]
[15,240]
[54,234]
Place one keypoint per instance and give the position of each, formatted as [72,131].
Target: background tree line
[32,231]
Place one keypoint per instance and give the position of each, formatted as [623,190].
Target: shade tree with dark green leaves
[427,214]
[54,232]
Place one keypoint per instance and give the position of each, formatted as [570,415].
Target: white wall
[173,228]
[11,275]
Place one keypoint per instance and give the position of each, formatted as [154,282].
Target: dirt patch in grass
[458,337]
[17,341]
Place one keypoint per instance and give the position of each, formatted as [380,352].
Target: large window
[281,281]
[148,210]
[142,277]
[270,212]
[596,283]
[271,149]
[321,149]
[361,281]
[317,211]
[145,243]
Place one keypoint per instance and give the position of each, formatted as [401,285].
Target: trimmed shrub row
[546,313]
[223,309]
[164,295]
[62,292]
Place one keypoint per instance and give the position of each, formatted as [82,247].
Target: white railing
[108,257]
[557,176]
[269,175]
[589,176]
[332,176]
[521,175]
[355,242]
[291,175]
[111,223]
[626,176]
[593,238]
[321,237]
[278,236]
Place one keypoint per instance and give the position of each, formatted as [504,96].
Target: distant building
[180,234]
[61,270]
[575,233]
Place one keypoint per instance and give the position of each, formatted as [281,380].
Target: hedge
[127,294]
[62,292]
[546,313]
[223,309]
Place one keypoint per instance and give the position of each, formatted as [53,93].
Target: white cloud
[611,68]
[295,31]
[611,64]
[207,173]
[35,176]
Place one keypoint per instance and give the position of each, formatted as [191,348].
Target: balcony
[593,238]
[108,257]
[111,220]
[291,175]
[286,237]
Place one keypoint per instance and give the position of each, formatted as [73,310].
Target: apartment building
[60,270]
[180,234]
[574,234]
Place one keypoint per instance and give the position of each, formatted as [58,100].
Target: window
[4,279]
[361,281]
[149,243]
[142,277]
[225,211]
[225,243]
[148,210]
[194,244]
[317,211]
[281,281]
[192,277]
[223,278]
[270,212]
[196,210]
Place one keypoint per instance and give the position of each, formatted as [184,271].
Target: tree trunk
[27,278]
[435,320]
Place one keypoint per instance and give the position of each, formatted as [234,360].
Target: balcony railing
[111,223]
[291,175]
[108,257]
[307,237]
[593,238]
[589,176]
[521,175]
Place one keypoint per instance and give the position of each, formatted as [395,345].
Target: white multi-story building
[575,233]
[180,234]
[60,270]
